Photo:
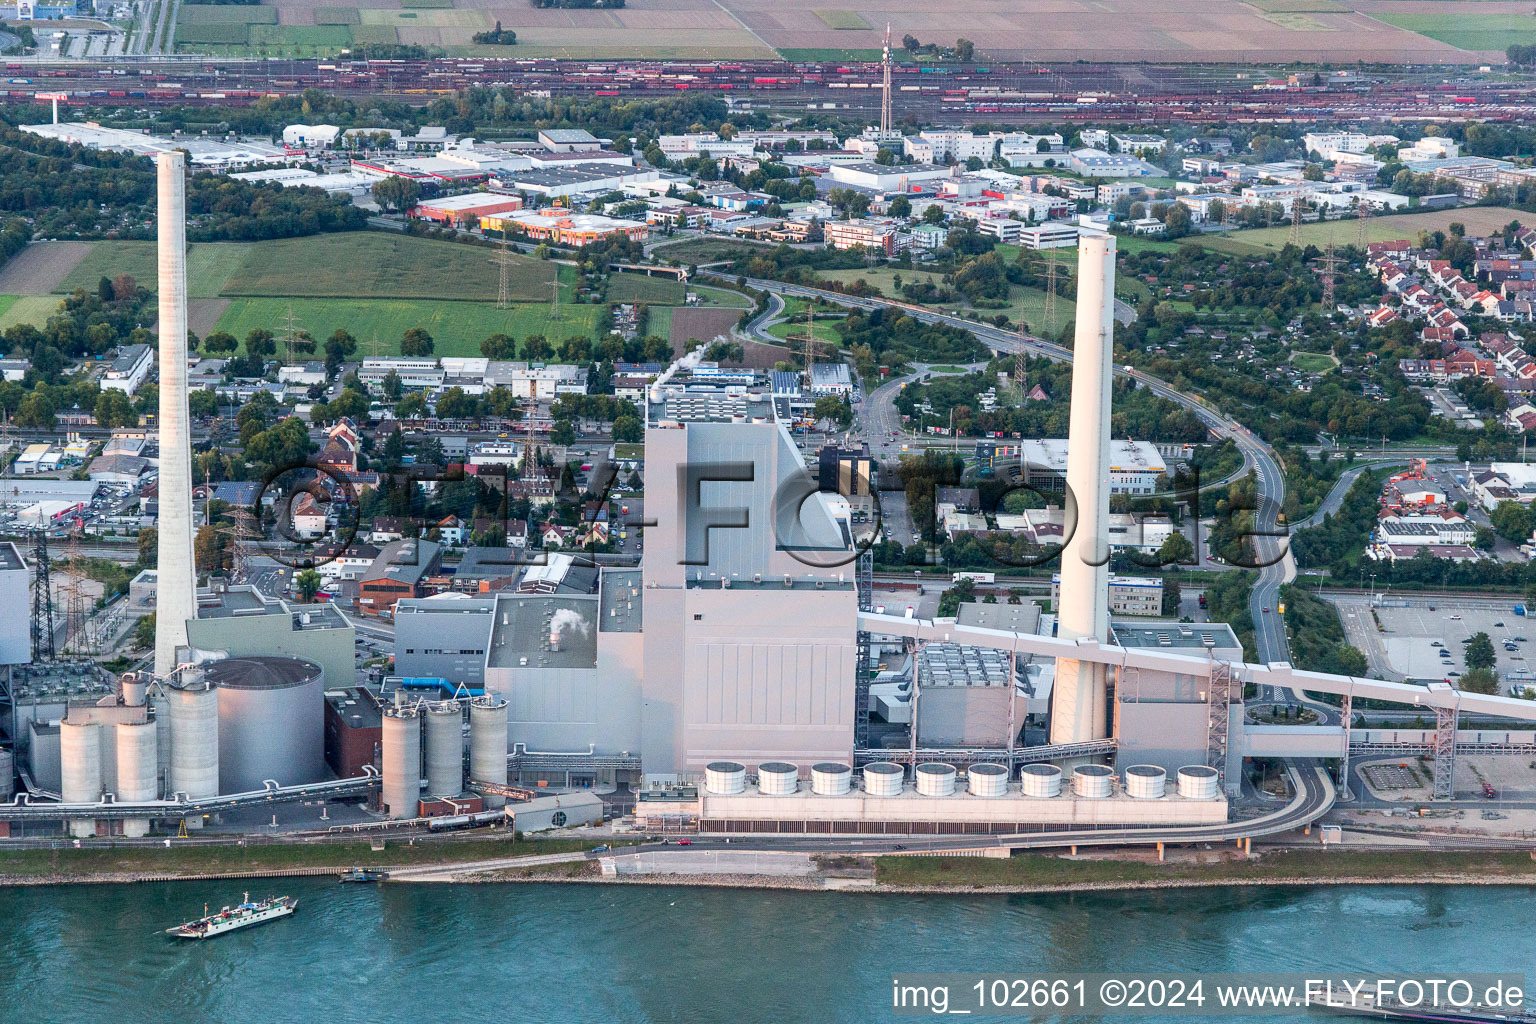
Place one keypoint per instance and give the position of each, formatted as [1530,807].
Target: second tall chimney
[176,580]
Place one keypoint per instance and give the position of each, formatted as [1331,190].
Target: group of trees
[499,36]
[1318,643]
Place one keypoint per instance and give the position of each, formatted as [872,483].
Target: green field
[457,328]
[225,14]
[426,3]
[658,321]
[822,329]
[225,33]
[1479,220]
[365,35]
[336,16]
[1026,302]
[359,264]
[1313,362]
[624,287]
[27,309]
[318,36]
[694,251]
[1468,31]
[842,19]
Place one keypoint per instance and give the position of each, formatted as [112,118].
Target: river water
[589,953]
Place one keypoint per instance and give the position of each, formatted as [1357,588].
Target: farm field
[1214,31]
[27,309]
[1469,30]
[457,328]
[353,264]
[38,268]
[1478,219]
[640,288]
[704,323]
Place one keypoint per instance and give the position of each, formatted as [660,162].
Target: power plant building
[242,622]
[750,601]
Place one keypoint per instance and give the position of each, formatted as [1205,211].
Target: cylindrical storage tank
[1145,782]
[1040,780]
[194,766]
[935,779]
[987,779]
[828,778]
[271,722]
[80,770]
[400,756]
[445,749]
[777,778]
[725,778]
[7,773]
[138,770]
[884,778]
[134,690]
[1199,782]
[1093,781]
[488,745]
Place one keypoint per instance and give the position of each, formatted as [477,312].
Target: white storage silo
[400,762]
[1040,780]
[138,770]
[488,745]
[1145,782]
[987,779]
[1092,781]
[80,770]
[445,749]
[271,721]
[194,763]
[935,779]
[828,778]
[777,778]
[725,778]
[7,774]
[884,779]
[1199,782]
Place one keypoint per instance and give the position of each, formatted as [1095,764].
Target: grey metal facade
[443,637]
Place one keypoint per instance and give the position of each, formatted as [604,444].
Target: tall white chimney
[176,582]
[1078,709]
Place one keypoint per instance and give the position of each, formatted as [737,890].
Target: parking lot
[1404,647]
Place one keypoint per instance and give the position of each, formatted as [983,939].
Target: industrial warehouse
[729,682]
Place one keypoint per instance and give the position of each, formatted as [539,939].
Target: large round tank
[138,769]
[884,778]
[1092,781]
[445,750]
[1145,782]
[135,689]
[777,778]
[828,778]
[1040,780]
[400,756]
[725,778]
[80,770]
[488,745]
[1199,782]
[271,722]
[7,774]
[194,765]
[936,779]
[987,779]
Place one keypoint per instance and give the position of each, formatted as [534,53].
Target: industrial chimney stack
[1078,711]
[176,581]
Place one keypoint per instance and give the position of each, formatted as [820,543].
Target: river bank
[1032,873]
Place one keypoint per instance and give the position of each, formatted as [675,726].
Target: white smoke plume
[685,362]
[564,619]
